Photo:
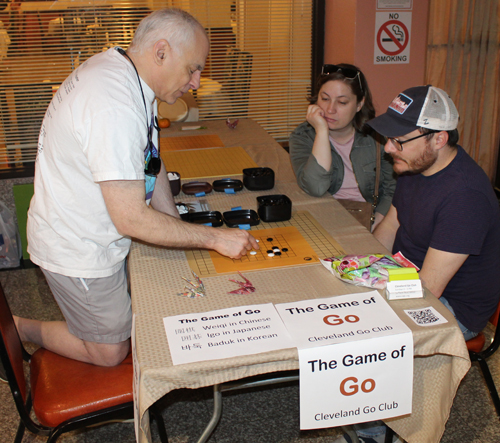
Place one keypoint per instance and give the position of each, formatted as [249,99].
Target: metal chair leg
[20,432]
[490,383]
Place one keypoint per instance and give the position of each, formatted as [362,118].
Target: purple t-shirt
[455,210]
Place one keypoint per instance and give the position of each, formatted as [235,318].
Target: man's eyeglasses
[399,144]
[348,73]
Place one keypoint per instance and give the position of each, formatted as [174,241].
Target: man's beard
[420,164]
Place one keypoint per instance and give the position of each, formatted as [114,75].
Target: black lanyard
[154,164]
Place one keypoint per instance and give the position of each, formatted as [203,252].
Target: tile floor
[266,415]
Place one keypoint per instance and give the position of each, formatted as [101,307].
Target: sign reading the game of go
[392,37]
[225,333]
[355,356]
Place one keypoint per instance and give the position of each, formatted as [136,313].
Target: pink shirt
[349,189]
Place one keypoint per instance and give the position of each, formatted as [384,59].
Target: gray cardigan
[315,180]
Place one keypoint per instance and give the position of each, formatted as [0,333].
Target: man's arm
[125,201]
[439,268]
[385,232]
[162,199]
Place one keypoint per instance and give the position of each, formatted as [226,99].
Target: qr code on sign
[423,316]
[426,316]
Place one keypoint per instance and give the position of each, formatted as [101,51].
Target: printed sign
[225,333]
[356,382]
[339,319]
[394,4]
[427,316]
[392,37]
[352,349]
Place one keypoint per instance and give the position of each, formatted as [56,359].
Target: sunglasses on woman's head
[348,73]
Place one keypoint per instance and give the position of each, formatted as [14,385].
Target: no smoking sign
[392,37]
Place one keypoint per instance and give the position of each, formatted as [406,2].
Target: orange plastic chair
[65,394]
[477,353]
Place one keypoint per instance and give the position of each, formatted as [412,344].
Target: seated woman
[334,150]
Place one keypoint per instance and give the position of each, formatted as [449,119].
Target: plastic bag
[10,243]
[362,270]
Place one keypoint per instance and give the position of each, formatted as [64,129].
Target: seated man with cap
[444,215]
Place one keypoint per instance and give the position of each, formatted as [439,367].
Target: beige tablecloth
[441,357]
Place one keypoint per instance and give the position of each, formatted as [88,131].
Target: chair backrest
[244,70]
[237,74]
[494,317]
[495,344]
[12,355]
[11,352]
[476,344]
[229,78]
[237,79]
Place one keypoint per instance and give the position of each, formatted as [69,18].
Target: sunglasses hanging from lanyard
[153,162]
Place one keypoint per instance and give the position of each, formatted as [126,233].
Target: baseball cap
[421,106]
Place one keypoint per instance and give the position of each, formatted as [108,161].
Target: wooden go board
[278,247]
[303,238]
[206,163]
[190,142]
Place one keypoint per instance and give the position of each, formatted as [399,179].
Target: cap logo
[401,103]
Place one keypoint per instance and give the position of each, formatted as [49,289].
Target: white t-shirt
[95,129]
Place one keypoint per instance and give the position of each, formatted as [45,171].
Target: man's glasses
[348,73]
[399,145]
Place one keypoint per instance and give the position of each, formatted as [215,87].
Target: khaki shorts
[96,309]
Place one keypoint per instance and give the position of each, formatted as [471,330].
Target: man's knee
[108,354]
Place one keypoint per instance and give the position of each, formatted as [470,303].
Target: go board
[206,163]
[302,236]
[278,247]
[190,142]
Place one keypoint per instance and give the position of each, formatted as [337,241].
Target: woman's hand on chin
[316,118]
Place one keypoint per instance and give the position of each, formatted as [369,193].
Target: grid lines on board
[207,163]
[190,142]
[322,243]
[278,248]
[267,244]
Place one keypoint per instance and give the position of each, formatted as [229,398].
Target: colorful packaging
[404,262]
[347,263]
[362,270]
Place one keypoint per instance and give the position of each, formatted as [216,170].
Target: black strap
[122,52]
[377,174]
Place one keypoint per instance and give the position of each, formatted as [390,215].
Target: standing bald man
[99,182]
